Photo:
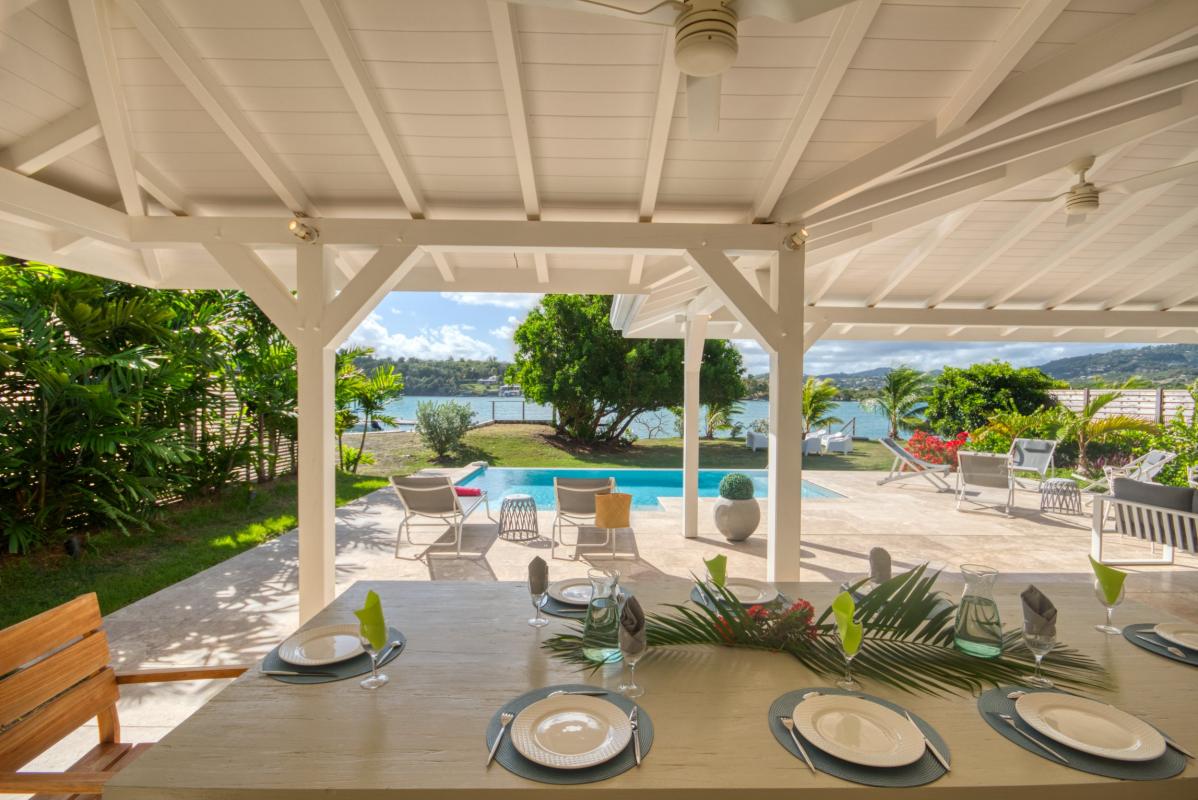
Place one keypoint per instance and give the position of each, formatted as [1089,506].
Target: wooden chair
[54,677]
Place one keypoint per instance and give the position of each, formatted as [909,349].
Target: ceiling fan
[705,40]
[1083,197]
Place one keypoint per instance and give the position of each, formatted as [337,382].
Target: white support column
[786,425]
[695,334]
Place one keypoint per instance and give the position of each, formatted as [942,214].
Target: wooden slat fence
[1158,405]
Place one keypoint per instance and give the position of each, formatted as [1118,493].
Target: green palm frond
[908,642]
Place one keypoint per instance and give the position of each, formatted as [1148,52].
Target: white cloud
[444,341]
[506,330]
[513,300]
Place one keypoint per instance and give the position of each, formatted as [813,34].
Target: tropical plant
[1178,435]
[443,425]
[819,401]
[907,639]
[1087,426]
[373,394]
[736,486]
[720,417]
[964,399]
[900,398]
[935,450]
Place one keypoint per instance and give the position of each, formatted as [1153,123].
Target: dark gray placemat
[923,771]
[511,760]
[1151,643]
[358,665]
[556,608]
[995,702]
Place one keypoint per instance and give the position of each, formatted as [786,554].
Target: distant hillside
[1166,365]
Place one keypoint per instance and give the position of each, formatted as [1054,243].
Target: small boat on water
[510,390]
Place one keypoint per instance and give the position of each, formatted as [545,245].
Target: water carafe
[601,627]
[978,630]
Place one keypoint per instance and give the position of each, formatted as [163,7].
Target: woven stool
[1060,495]
[518,517]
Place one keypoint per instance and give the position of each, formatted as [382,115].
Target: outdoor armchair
[1164,515]
[907,465]
[1033,455]
[575,501]
[837,443]
[984,471]
[756,441]
[813,442]
[54,677]
[434,498]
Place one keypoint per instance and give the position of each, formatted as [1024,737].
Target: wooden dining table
[470,649]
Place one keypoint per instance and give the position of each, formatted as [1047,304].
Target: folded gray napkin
[1039,614]
[879,565]
[538,576]
[632,626]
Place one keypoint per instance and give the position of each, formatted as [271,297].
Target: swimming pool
[645,485]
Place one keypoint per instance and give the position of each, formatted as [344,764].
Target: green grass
[185,539]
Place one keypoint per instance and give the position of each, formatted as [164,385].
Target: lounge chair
[1033,455]
[1143,469]
[908,466]
[813,442]
[984,471]
[757,441]
[434,497]
[575,499]
[837,443]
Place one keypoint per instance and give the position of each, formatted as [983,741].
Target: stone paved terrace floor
[238,610]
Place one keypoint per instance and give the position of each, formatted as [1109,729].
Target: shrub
[736,486]
[1176,436]
[442,425]
[965,399]
[933,449]
[760,426]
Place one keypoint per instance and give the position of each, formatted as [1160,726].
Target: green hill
[1162,365]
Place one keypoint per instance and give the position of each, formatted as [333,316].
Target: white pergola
[857,186]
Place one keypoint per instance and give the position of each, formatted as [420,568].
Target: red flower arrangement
[933,449]
[774,625]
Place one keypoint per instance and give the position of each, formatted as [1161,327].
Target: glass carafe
[978,630]
[601,628]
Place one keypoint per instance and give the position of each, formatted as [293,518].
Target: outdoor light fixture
[796,240]
[705,39]
[302,230]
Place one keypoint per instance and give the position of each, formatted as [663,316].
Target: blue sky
[478,325]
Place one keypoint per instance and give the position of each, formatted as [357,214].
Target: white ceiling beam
[852,23]
[487,279]
[53,141]
[1020,318]
[814,331]
[541,263]
[260,282]
[1158,279]
[740,296]
[441,261]
[636,269]
[1024,31]
[329,24]
[26,241]
[835,269]
[917,255]
[1180,298]
[668,80]
[162,188]
[171,44]
[385,270]
[507,52]
[31,199]
[1155,28]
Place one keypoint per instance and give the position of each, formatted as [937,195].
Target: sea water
[601,631]
[978,630]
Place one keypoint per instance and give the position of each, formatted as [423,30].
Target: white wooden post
[786,424]
[695,333]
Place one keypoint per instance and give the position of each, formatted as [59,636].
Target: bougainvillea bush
[933,449]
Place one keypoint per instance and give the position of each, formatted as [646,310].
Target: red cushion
[468,491]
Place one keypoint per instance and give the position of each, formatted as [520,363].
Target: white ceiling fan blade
[786,10]
[1073,220]
[662,14]
[1030,199]
[703,106]
[1142,182]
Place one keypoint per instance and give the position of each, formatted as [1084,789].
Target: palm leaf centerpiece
[907,642]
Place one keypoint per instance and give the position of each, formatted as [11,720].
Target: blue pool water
[645,485]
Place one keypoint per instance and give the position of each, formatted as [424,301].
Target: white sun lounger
[908,466]
[434,498]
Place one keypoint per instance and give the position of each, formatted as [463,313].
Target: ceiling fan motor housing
[705,38]
[1082,199]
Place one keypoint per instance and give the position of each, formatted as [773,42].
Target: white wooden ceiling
[469,109]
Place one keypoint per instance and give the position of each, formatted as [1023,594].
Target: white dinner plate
[571,731]
[573,591]
[1090,726]
[1182,633]
[327,644]
[858,730]
[750,592]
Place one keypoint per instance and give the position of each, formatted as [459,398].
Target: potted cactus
[736,512]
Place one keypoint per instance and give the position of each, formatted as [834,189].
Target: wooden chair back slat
[26,689]
[46,726]
[48,631]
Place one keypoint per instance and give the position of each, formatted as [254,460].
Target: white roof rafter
[668,81]
[54,140]
[507,51]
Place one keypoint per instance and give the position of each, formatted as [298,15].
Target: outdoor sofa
[1164,515]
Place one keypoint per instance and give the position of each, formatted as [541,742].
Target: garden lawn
[185,539]
[536,446]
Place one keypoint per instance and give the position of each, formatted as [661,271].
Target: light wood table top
[470,650]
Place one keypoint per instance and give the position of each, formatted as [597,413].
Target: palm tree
[720,417]
[899,398]
[1088,428]
[819,400]
[372,395]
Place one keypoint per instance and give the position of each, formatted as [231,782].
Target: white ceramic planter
[737,519]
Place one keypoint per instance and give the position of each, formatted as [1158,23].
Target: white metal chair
[1143,469]
[1033,455]
[837,443]
[907,465]
[575,498]
[433,497]
[984,471]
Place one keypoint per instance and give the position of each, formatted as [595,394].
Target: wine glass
[1040,644]
[847,682]
[538,600]
[376,678]
[1109,627]
[633,649]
